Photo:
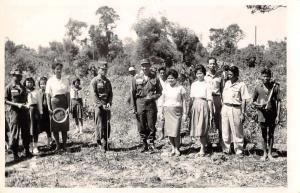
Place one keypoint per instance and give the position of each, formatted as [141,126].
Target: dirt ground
[125,166]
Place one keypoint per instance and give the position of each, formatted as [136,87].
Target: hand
[50,111]
[277,120]
[67,111]
[242,117]
[108,106]
[184,117]
[211,120]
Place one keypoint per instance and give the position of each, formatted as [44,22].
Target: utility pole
[255,33]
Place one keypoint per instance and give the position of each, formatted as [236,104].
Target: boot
[28,154]
[16,156]
[144,147]
[35,149]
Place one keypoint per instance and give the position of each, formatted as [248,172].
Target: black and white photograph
[145,94]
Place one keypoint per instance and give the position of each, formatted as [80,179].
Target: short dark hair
[173,73]
[161,68]
[29,79]
[75,80]
[225,67]
[200,68]
[45,79]
[266,71]
[55,64]
[234,70]
[211,58]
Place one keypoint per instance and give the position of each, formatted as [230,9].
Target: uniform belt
[214,94]
[232,105]
[200,98]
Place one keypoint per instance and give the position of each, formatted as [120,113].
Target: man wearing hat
[132,73]
[146,89]
[16,97]
[102,96]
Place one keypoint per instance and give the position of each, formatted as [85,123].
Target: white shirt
[235,93]
[173,96]
[56,86]
[201,89]
[34,97]
[75,95]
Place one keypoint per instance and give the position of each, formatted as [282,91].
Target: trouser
[232,130]
[217,105]
[146,120]
[19,123]
[34,122]
[102,123]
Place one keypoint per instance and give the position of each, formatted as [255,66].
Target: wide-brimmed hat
[144,61]
[15,71]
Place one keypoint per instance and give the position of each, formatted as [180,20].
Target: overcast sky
[37,22]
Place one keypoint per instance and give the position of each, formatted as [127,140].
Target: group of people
[215,100]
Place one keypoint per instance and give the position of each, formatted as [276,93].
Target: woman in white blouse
[58,96]
[174,110]
[200,108]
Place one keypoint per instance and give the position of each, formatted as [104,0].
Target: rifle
[270,96]
[19,105]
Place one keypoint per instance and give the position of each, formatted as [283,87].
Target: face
[29,84]
[162,73]
[17,78]
[266,78]
[200,75]
[230,75]
[212,65]
[77,83]
[171,80]
[43,84]
[146,68]
[102,72]
[58,70]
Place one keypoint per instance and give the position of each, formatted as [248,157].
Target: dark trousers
[102,125]
[19,123]
[34,122]
[146,120]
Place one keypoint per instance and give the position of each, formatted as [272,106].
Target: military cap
[16,71]
[144,61]
[103,65]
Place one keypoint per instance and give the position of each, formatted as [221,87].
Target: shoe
[270,157]
[172,153]
[264,158]
[35,151]
[28,154]
[177,153]
[16,157]
[201,153]
[98,141]
[144,148]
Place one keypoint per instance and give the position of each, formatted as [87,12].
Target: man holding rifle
[102,95]
[266,99]
[15,97]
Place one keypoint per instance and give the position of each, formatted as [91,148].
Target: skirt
[172,122]
[45,120]
[77,108]
[199,118]
[62,102]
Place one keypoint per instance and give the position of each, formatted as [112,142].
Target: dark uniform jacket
[144,89]
[101,91]
[15,93]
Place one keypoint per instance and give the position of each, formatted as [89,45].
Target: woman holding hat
[58,96]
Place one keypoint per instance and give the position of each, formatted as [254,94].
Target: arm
[158,92]
[278,100]
[48,97]
[133,94]
[94,92]
[40,103]
[68,100]
[243,110]
[110,94]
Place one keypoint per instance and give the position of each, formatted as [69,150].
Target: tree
[74,28]
[223,42]
[102,35]
[263,8]
[250,55]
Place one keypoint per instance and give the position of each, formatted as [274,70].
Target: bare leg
[56,138]
[172,145]
[264,140]
[64,136]
[177,145]
[203,143]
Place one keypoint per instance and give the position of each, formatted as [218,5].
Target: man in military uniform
[16,97]
[102,95]
[146,89]
[214,79]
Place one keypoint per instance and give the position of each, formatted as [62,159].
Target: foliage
[74,29]
[263,8]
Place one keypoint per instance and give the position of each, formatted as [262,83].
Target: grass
[125,166]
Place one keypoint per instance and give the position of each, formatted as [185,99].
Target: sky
[37,22]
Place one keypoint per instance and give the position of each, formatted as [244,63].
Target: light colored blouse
[57,86]
[34,98]
[201,89]
[75,93]
[173,96]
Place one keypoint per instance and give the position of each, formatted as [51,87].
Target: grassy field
[125,166]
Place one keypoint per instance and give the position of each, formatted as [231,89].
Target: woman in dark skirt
[58,96]
[45,118]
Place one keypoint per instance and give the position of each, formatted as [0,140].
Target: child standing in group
[35,108]
[200,108]
[77,104]
[45,118]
